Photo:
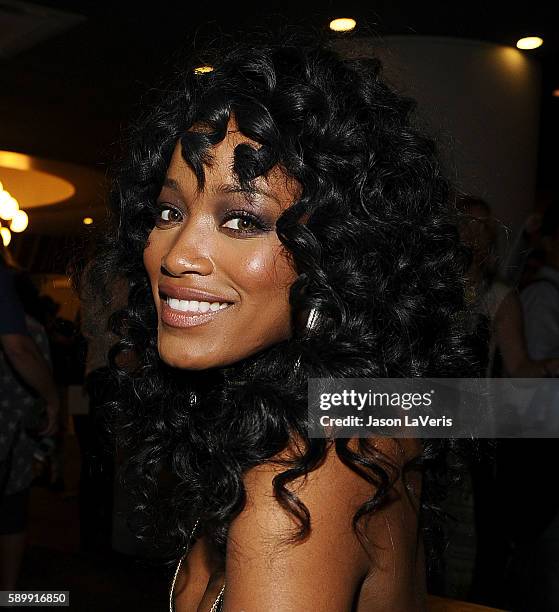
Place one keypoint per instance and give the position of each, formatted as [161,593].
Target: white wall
[480,101]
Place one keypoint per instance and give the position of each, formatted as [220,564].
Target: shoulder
[331,557]
[540,290]
[333,480]
[332,484]
[331,493]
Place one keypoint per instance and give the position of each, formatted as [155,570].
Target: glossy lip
[178,318]
[187,293]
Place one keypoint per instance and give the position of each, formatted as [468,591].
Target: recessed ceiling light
[203,69]
[530,42]
[87,220]
[343,24]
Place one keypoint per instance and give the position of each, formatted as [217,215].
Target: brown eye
[241,224]
[169,215]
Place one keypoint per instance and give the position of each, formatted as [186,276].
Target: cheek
[267,271]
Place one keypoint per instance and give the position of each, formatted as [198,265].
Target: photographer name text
[371,421]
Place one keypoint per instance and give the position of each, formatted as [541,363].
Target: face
[219,275]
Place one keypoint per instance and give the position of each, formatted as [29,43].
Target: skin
[331,570]
[198,244]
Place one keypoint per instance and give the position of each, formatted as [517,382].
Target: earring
[312,319]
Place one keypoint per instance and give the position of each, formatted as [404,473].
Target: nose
[189,253]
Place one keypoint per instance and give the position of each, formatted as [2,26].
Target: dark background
[68,96]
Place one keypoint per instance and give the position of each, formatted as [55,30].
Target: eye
[167,215]
[242,222]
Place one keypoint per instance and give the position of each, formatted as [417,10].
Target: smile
[189,313]
[195,305]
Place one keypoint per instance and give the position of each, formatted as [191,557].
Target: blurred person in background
[68,349]
[29,406]
[537,558]
[540,297]
[96,489]
[496,299]
[65,353]
[524,257]
[499,307]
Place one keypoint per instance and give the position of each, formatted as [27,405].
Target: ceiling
[76,75]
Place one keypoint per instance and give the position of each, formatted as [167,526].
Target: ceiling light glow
[87,221]
[6,235]
[19,222]
[530,42]
[343,24]
[203,69]
[8,206]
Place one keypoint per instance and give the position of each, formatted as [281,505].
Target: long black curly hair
[378,256]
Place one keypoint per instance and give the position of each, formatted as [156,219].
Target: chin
[182,360]
[187,362]
[186,354]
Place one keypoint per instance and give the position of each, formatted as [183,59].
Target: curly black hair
[372,238]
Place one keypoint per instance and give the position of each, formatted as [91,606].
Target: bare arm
[34,370]
[509,330]
[330,569]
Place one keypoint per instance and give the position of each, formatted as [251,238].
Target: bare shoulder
[331,566]
[334,484]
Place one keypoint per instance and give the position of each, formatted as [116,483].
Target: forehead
[219,172]
[220,156]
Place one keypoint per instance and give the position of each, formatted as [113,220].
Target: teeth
[195,305]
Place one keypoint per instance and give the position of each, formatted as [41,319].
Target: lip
[188,293]
[176,318]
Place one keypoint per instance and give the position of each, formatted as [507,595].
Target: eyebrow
[235,188]
[227,188]
[171,183]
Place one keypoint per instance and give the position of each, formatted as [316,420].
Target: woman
[278,219]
